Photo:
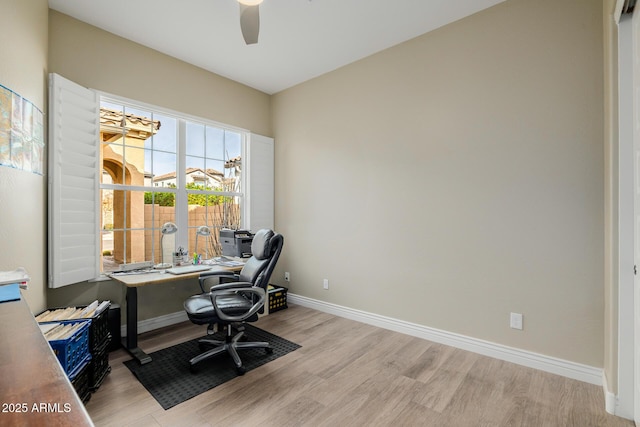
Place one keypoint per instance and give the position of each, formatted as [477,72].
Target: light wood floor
[351,374]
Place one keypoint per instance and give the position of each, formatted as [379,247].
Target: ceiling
[299,39]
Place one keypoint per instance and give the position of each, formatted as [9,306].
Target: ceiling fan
[250,20]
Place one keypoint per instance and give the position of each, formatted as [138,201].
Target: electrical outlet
[325,283]
[287,278]
[516,321]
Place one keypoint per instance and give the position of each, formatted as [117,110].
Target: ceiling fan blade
[250,23]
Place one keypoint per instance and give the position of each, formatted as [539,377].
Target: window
[118,170]
[159,167]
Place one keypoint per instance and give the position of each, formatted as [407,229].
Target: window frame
[181,192]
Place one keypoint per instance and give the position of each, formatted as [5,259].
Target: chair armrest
[221,275]
[229,289]
[206,274]
[230,286]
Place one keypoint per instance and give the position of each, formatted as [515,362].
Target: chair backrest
[265,248]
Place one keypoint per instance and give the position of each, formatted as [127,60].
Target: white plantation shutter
[260,183]
[73,183]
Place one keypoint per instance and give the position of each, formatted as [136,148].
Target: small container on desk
[277,298]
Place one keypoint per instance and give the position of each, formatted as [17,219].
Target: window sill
[101,278]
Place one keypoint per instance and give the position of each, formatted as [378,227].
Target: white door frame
[635,131]
[626,231]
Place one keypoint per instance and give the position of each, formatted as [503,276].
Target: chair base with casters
[231,345]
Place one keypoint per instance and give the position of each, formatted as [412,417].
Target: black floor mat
[169,379]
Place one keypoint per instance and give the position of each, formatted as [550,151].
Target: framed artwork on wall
[21,133]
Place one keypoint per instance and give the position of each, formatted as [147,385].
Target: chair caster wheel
[240,370]
[268,350]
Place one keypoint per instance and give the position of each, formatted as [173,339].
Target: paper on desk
[19,276]
[227,262]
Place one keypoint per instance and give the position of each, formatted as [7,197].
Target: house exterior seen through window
[158,167]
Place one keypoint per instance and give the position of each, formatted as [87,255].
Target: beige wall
[456,178]
[100,60]
[23,68]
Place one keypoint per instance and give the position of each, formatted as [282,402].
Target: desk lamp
[167,228]
[204,231]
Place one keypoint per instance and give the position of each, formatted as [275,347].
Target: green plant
[203,199]
[160,198]
[169,199]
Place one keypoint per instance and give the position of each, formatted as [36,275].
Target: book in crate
[96,312]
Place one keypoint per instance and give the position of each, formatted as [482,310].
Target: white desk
[133,282]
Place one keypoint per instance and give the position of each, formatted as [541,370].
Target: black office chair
[231,304]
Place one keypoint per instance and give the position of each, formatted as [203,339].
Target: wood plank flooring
[352,374]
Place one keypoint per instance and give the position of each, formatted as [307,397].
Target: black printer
[236,243]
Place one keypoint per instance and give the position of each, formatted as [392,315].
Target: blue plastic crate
[72,352]
[83,364]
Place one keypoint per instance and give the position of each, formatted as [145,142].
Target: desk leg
[131,342]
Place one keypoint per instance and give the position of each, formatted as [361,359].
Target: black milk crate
[277,298]
[99,331]
[99,367]
[80,382]
[72,352]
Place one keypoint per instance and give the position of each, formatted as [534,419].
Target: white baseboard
[550,364]
[610,399]
[157,322]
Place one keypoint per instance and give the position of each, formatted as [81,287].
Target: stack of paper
[19,276]
[60,331]
[71,313]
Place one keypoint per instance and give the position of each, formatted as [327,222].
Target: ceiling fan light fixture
[250,20]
